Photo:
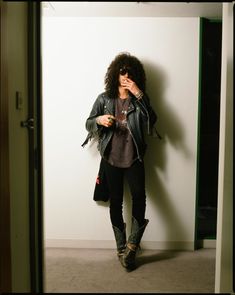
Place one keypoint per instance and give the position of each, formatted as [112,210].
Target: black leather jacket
[139,115]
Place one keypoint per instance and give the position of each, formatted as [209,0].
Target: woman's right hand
[105,120]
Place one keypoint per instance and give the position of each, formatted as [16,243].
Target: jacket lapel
[110,106]
[131,107]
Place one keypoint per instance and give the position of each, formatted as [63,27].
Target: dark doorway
[209,118]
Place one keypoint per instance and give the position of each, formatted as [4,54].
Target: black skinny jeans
[135,176]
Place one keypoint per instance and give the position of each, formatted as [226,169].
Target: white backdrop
[76,53]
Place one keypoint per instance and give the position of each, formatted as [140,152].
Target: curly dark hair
[123,59]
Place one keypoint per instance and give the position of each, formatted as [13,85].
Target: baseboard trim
[206,243]
[108,244]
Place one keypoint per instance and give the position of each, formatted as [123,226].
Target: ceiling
[131,9]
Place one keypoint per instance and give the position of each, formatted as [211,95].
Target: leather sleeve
[91,126]
[97,110]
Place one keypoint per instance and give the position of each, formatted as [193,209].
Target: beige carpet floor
[99,271]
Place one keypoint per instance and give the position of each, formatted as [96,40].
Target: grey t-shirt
[122,152]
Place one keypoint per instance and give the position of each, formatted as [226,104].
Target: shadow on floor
[142,258]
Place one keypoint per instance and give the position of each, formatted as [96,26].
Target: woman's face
[124,73]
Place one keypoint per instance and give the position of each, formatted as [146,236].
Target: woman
[118,118]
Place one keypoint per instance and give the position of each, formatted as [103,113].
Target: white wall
[76,53]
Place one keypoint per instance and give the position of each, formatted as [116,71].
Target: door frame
[35,143]
[8,269]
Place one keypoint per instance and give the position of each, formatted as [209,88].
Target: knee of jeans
[115,203]
[138,195]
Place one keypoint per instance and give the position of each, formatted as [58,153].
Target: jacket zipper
[134,142]
[131,108]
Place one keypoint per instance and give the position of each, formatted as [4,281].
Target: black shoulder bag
[101,192]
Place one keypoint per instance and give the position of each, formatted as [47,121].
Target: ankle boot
[133,243]
[120,237]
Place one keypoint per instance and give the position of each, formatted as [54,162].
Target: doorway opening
[209,118]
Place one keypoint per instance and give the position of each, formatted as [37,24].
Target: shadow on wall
[168,124]
[171,129]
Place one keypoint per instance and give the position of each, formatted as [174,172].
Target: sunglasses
[125,70]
